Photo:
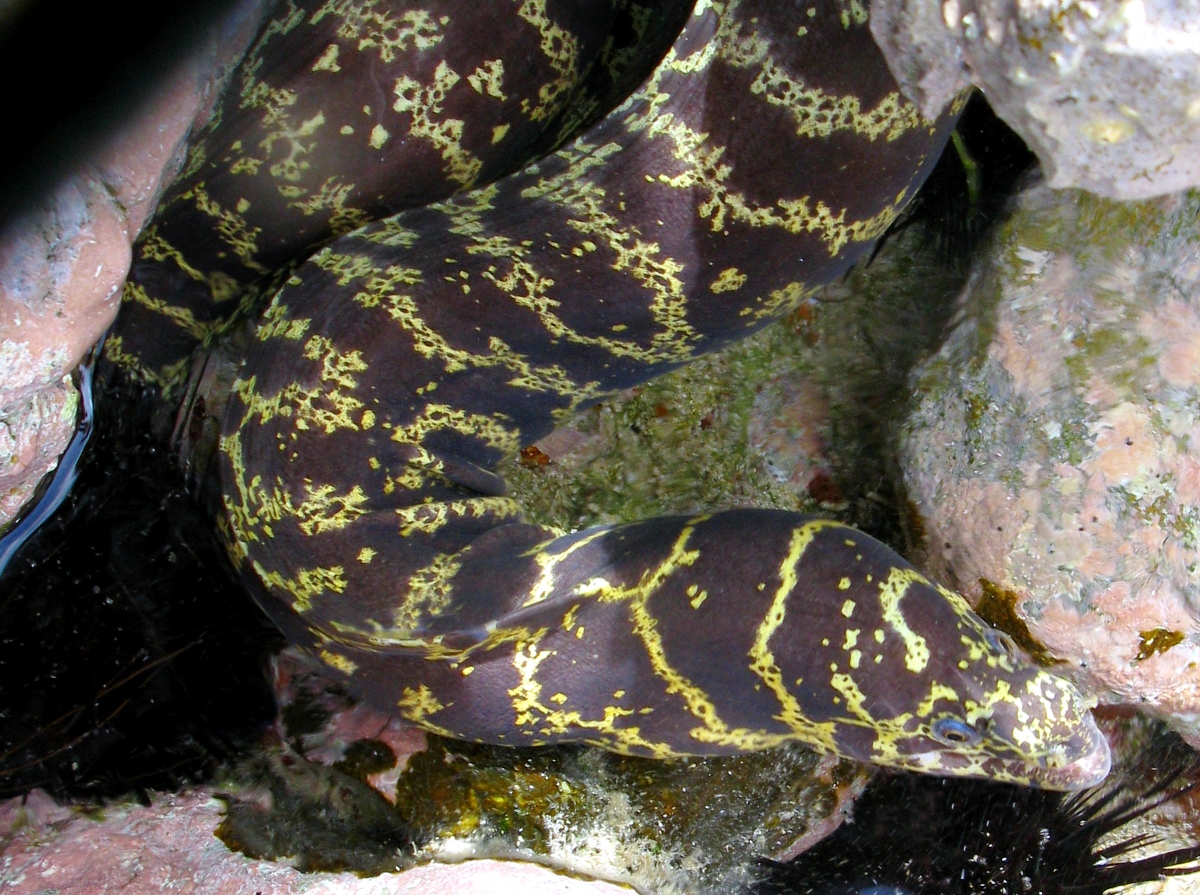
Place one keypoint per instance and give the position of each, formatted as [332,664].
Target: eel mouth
[1079,762]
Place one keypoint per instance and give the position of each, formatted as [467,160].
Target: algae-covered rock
[663,827]
[668,828]
[34,432]
[725,431]
[1054,454]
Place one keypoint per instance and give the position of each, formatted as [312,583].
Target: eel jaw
[1081,762]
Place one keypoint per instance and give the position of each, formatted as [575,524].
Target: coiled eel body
[397,366]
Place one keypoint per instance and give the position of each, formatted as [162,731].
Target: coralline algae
[1054,453]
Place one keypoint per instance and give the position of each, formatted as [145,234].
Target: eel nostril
[1001,642]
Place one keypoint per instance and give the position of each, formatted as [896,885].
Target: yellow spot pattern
[346,462]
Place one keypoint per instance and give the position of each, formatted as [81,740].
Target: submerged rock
[1054,454]
[64,260]
[1104,93]
[661,827]
[170,846]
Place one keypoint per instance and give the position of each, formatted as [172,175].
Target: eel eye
[1001,642]
[954,731]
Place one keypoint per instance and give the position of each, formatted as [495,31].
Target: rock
[34,431]
[1104,93]
[62,263]
[1053,456]
[169,845]
[788,427]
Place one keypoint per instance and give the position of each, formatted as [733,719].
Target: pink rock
[1104,93]
[170,846]
[1055,454]
[35,434]
[63,262]
[788,426]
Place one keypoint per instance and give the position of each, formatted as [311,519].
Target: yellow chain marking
[424,104]
[891,593]
[561,49]
[372,26]
[318,529]
[305,584]
[764,664]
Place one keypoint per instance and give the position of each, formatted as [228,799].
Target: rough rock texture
[1054,455]
[34,430]
[63,262]
[170,847]
[1107,94]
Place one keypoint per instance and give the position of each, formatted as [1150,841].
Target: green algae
[677,444]
[681,825]
[458,790]
[663,827]
[1158,640]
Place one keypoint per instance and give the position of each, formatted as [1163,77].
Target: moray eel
[347,111]
[394,369]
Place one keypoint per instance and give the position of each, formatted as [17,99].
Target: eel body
[398,365]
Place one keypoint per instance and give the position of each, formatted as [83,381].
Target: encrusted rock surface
[1054,455]
[169,846]
[63,262]
[1106,93]
[34,430]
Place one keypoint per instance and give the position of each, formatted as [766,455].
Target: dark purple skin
[399,365]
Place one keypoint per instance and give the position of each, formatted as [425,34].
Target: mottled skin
[346,112]
[398,366]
